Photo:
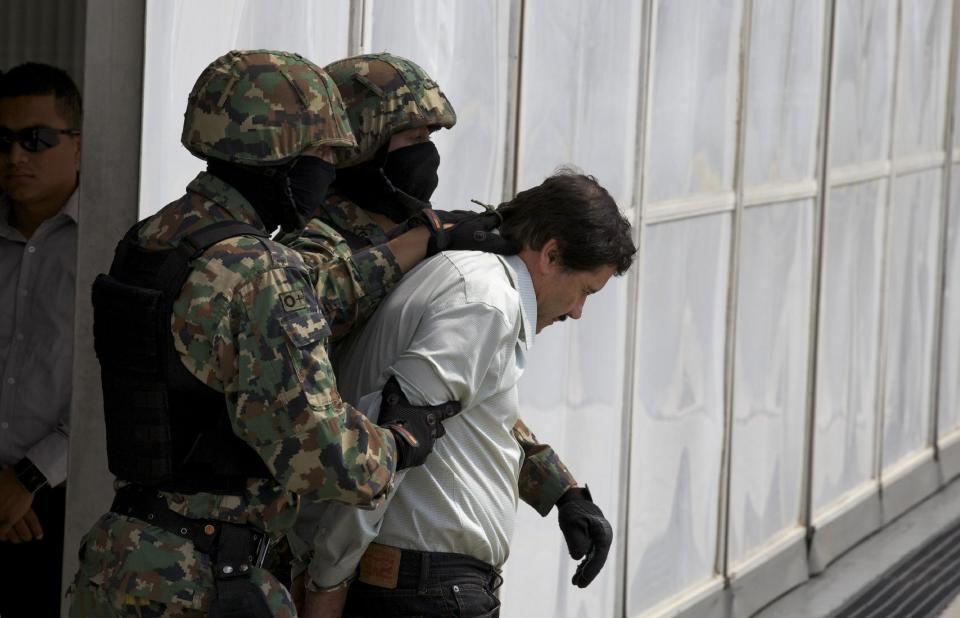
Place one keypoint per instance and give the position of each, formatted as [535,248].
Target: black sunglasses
[32,139]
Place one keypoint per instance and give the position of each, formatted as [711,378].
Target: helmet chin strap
[406,206]
[368,186]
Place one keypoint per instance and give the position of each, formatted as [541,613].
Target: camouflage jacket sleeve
[543,477]
[350,285]
[269,356]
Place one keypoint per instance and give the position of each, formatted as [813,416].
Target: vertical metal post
[878,434]
[723,516]
[945,187]
[819,263]
[511,159]
[633,296]
[360,24]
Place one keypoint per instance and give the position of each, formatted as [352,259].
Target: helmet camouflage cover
[263,107]
[385,94]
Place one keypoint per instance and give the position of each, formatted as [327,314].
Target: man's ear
[550,256]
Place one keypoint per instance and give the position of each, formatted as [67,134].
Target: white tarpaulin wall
[788,341]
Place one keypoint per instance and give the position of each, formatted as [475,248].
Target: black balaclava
[286,195]
[309,178]
[397,184]
[413,170]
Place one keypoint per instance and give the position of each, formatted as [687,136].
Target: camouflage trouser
[129,568]
[89,602]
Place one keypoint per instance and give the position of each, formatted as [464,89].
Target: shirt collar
[70,209]
[520,277]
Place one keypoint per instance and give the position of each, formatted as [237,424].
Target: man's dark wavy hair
[36,79]
[579,213]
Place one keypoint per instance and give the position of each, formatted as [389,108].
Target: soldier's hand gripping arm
[350,284]
[460,230]
[286,403]
[587,532]
[415,428]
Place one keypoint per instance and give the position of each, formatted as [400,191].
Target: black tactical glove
[469,231]
[414,428]
[456,216]
[587,532]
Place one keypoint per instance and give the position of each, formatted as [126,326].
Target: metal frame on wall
[823,187]
[633,311]
[947,448]
[856,513]
[733,290]
[781,563]
[778,564]
[360,24]
[706,598]
[914,477]
[860,511]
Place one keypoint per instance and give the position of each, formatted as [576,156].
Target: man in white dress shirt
[459,327]
[40,114]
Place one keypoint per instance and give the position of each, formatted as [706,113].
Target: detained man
[459,327]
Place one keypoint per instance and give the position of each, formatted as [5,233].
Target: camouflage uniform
[404,97]
[349,283]
[234,334]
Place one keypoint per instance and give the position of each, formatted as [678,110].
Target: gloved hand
[414,428]
[455,216]
[461,230]
[587,532]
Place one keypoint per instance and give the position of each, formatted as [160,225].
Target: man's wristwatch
[29,475]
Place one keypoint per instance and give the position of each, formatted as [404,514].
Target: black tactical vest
[165,428]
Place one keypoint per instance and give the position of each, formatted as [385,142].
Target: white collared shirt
[37,283]
[456,328]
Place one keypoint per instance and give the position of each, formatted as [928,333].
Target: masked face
[308,179]
[286,195]
[413,170]
[399,180]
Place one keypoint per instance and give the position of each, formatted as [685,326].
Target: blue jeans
[430,584]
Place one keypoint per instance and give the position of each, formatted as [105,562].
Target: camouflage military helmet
[263,107]
[385,94]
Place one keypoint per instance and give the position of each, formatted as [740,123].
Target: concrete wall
[110,184]
[48,31]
